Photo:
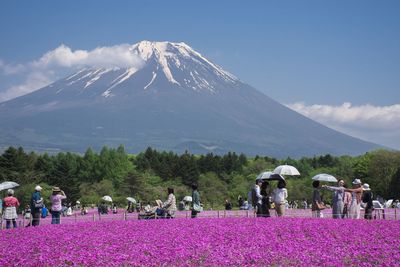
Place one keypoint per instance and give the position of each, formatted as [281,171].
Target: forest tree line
[145,176]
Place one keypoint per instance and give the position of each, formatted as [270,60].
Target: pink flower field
[205,242]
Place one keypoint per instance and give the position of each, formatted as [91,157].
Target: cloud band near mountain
[372,123]
[60,62]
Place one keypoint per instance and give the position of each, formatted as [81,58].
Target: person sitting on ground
[84,210]
[228,205]
[240,200]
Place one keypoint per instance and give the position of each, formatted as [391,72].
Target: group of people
[33,211]
[346,202]
[168,208]
[261,198]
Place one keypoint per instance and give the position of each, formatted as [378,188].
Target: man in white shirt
[257,197]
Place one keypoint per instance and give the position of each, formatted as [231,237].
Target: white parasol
[286,170]
[107,198]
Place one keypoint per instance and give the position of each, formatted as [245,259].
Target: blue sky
[337,62]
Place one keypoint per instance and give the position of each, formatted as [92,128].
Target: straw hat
[56,189]
[357,181]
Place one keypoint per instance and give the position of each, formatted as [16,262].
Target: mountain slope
[175,100]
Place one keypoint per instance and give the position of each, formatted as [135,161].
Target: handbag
[320,205]
[38,204]
[197,207]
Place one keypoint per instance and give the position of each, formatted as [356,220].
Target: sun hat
[366,187]
[56,189]
[38,188]
[357,181]
[259,181]
[10,192]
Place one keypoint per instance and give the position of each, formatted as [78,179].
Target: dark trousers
[36,217]
[259,210]
[8,223]
[368,214]
[55,217]
[265,208]
[194,214]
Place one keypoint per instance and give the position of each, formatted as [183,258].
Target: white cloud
[55,63]
[380,124]
[102,57]
[34,81]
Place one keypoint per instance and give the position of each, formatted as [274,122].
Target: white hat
[366,187]
[10,192]
[357,181]
[38,188]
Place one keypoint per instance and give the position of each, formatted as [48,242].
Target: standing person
[11,204]
[170,204]
[338,196]
[56,198]
[367,198]
[36,205]
[256,198]
[228,205]
[280,195]
[265,204]
[316,200]
[195,201]
[346,203]
[1,206]
[240,201]
[304,204]
[355,205]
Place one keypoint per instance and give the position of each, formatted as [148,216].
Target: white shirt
[258,194]
[280,195]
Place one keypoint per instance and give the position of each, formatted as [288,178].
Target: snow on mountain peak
[169,54]
[177,62]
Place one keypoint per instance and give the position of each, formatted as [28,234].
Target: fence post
[395,214]
[218,214]
[247,213]
[75,217]
[224,213]
[94,217]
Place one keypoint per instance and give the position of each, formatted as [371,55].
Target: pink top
[56,202]
[11,202]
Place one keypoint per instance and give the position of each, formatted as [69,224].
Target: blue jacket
[35,197]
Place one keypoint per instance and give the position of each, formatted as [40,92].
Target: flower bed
[209,242]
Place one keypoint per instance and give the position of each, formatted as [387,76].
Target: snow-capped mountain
[174,99]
